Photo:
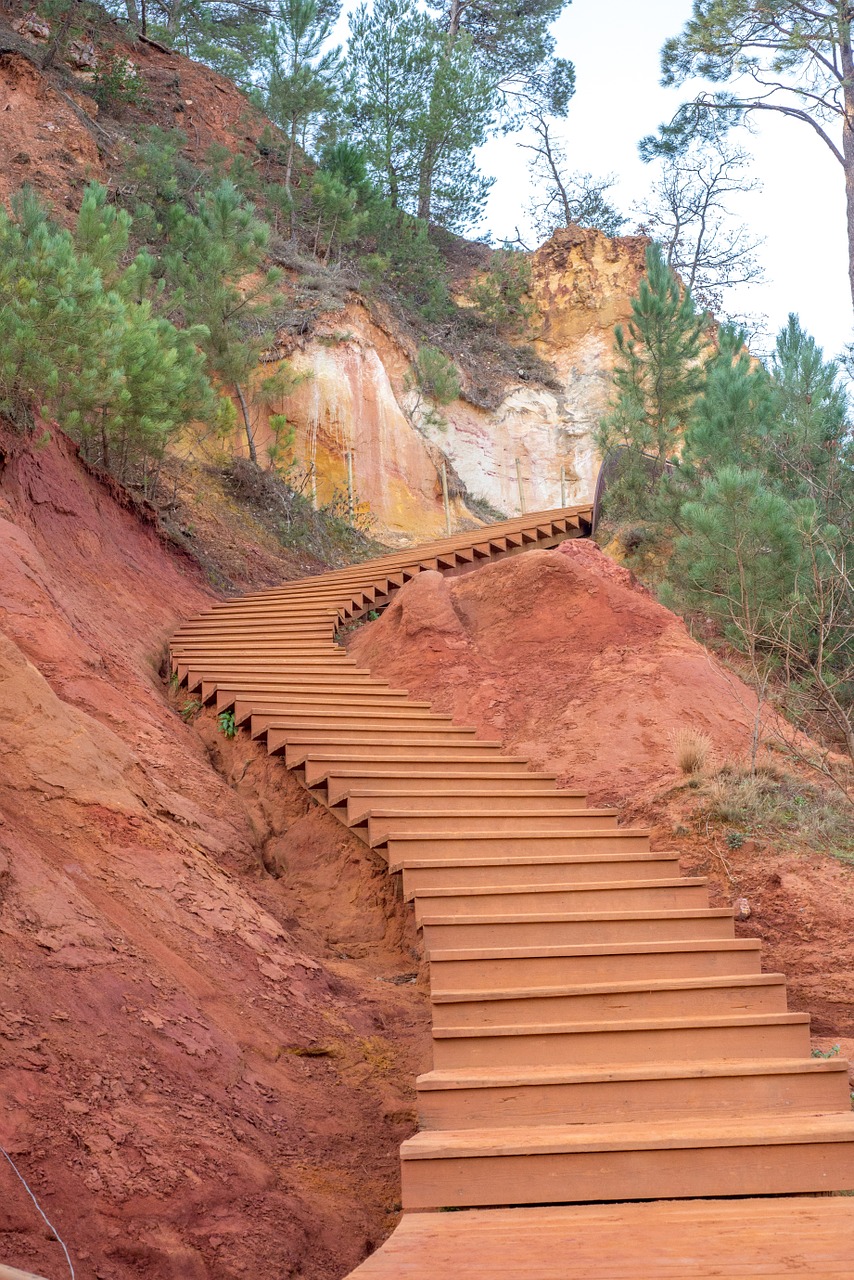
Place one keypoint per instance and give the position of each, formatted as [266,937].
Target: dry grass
[692,749]
[772,803]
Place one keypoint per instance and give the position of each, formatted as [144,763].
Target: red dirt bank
[156,980]
[569,658]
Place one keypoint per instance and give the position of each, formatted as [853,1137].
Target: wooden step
[411,770]
[388,748]
[748,1155]
[260,704]
[406,801]
[779,1035]
[196,672]
[512,968]
[643,895]
[385,825]
[370,725]
[786,1238]
[477,1098]
[261,712]
[225,696]
[372,722]
[445,932]
[426,874]
[633,1001]
[467,845]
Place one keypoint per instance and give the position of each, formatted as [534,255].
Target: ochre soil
[56,140]
[179,923]
[572,663]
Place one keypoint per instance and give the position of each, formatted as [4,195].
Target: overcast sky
[800,210]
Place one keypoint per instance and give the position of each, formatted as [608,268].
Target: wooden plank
[787,1239]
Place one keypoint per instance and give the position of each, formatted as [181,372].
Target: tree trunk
[551,160]
[173,17]
[250,435]
[847,61]
[60,36]
[454,21]
[425,180]
[133,14]
[292,146]
[848,153]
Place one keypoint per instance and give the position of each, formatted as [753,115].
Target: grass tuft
[692,749]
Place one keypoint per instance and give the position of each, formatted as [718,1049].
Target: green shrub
[226,723]
[81,340]
[405,259]
[117,83]
[500,295]
[437,376]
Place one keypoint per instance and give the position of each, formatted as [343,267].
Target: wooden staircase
[599,1033]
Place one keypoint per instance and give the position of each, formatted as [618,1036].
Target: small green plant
[190,708]
[437,376]
[372,615]
[763,802]
[500,296]
[832,1052]
[734,839]
[117,83]
[226,723]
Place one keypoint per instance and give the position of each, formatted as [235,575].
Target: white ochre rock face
[356,398]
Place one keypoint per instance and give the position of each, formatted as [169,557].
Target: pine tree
[740,553]
[302,73]
[418,105]
[738,562]
[657,379]
[512,41]
[731,419]
[210,256]
[790,57]
[810,444]
[81,339]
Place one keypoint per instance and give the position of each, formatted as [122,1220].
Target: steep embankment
[205,1065]
[576,666]
[571,659]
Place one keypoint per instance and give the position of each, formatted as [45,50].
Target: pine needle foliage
[657,379]
[82,341]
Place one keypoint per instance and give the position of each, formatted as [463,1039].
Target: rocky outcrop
[356,397]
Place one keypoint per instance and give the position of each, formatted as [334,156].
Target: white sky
[800,210]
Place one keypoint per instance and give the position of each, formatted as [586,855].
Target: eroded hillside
[206,1054]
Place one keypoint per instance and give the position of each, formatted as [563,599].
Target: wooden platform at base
[775,1239]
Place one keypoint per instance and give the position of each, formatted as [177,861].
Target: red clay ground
[575,665]
[178,923]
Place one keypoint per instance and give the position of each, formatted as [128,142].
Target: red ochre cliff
[178,925]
